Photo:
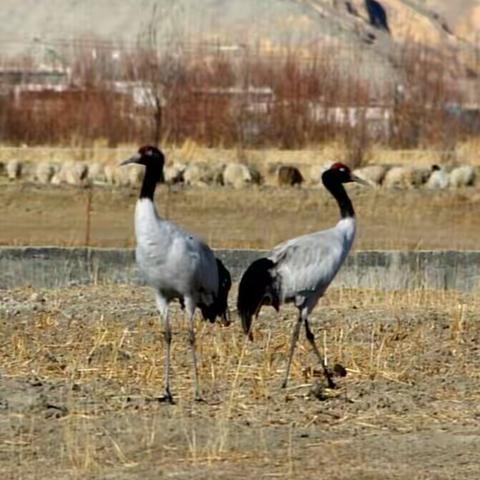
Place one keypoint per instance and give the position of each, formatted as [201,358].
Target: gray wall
[49,267]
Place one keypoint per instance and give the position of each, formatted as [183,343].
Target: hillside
[51,30]
[26,24]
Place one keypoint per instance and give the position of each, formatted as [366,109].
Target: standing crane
[300,270]
[176,264]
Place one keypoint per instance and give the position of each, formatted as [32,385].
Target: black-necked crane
[176,264]
[300,270]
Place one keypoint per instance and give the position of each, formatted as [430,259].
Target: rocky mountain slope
[271,22]
[43,29]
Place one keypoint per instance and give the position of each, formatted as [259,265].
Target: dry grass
[80,365]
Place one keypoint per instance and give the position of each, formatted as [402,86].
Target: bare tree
[158,66]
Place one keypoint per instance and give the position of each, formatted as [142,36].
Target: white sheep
[438,180]
[238,175]
[406,177]
[462,176]
[202,174]
[398,177]
[373,174]
[14,169]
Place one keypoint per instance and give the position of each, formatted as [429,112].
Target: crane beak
[133,159]
[359,180]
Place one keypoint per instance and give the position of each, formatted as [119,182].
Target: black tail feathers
[257,288]
[219,308]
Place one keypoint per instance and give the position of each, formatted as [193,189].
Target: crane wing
[175,259]
[308,264]
[202,264]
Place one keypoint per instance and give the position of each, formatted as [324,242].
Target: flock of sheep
[236,175]
[433,178]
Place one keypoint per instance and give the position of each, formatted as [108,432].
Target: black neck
[337,190]
[153,175]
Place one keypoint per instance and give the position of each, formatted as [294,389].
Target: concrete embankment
[50,267]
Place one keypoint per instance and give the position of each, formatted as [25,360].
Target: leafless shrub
[149,94]
[421,100]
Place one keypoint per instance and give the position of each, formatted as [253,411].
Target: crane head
[342,174]
[147,155]
[150,157]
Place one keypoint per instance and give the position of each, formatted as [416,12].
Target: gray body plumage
[175,263]
[305,266]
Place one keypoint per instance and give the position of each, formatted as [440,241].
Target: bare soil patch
[80,366]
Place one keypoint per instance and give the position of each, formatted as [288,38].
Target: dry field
[80,368]
[253,218]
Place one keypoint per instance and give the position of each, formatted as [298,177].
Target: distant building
[17,79]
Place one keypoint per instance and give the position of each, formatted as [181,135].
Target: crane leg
[321,359]
[162,306]
[293,342]
[190,308]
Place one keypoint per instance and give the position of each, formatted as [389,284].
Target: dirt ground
[80,368]
[250,218]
